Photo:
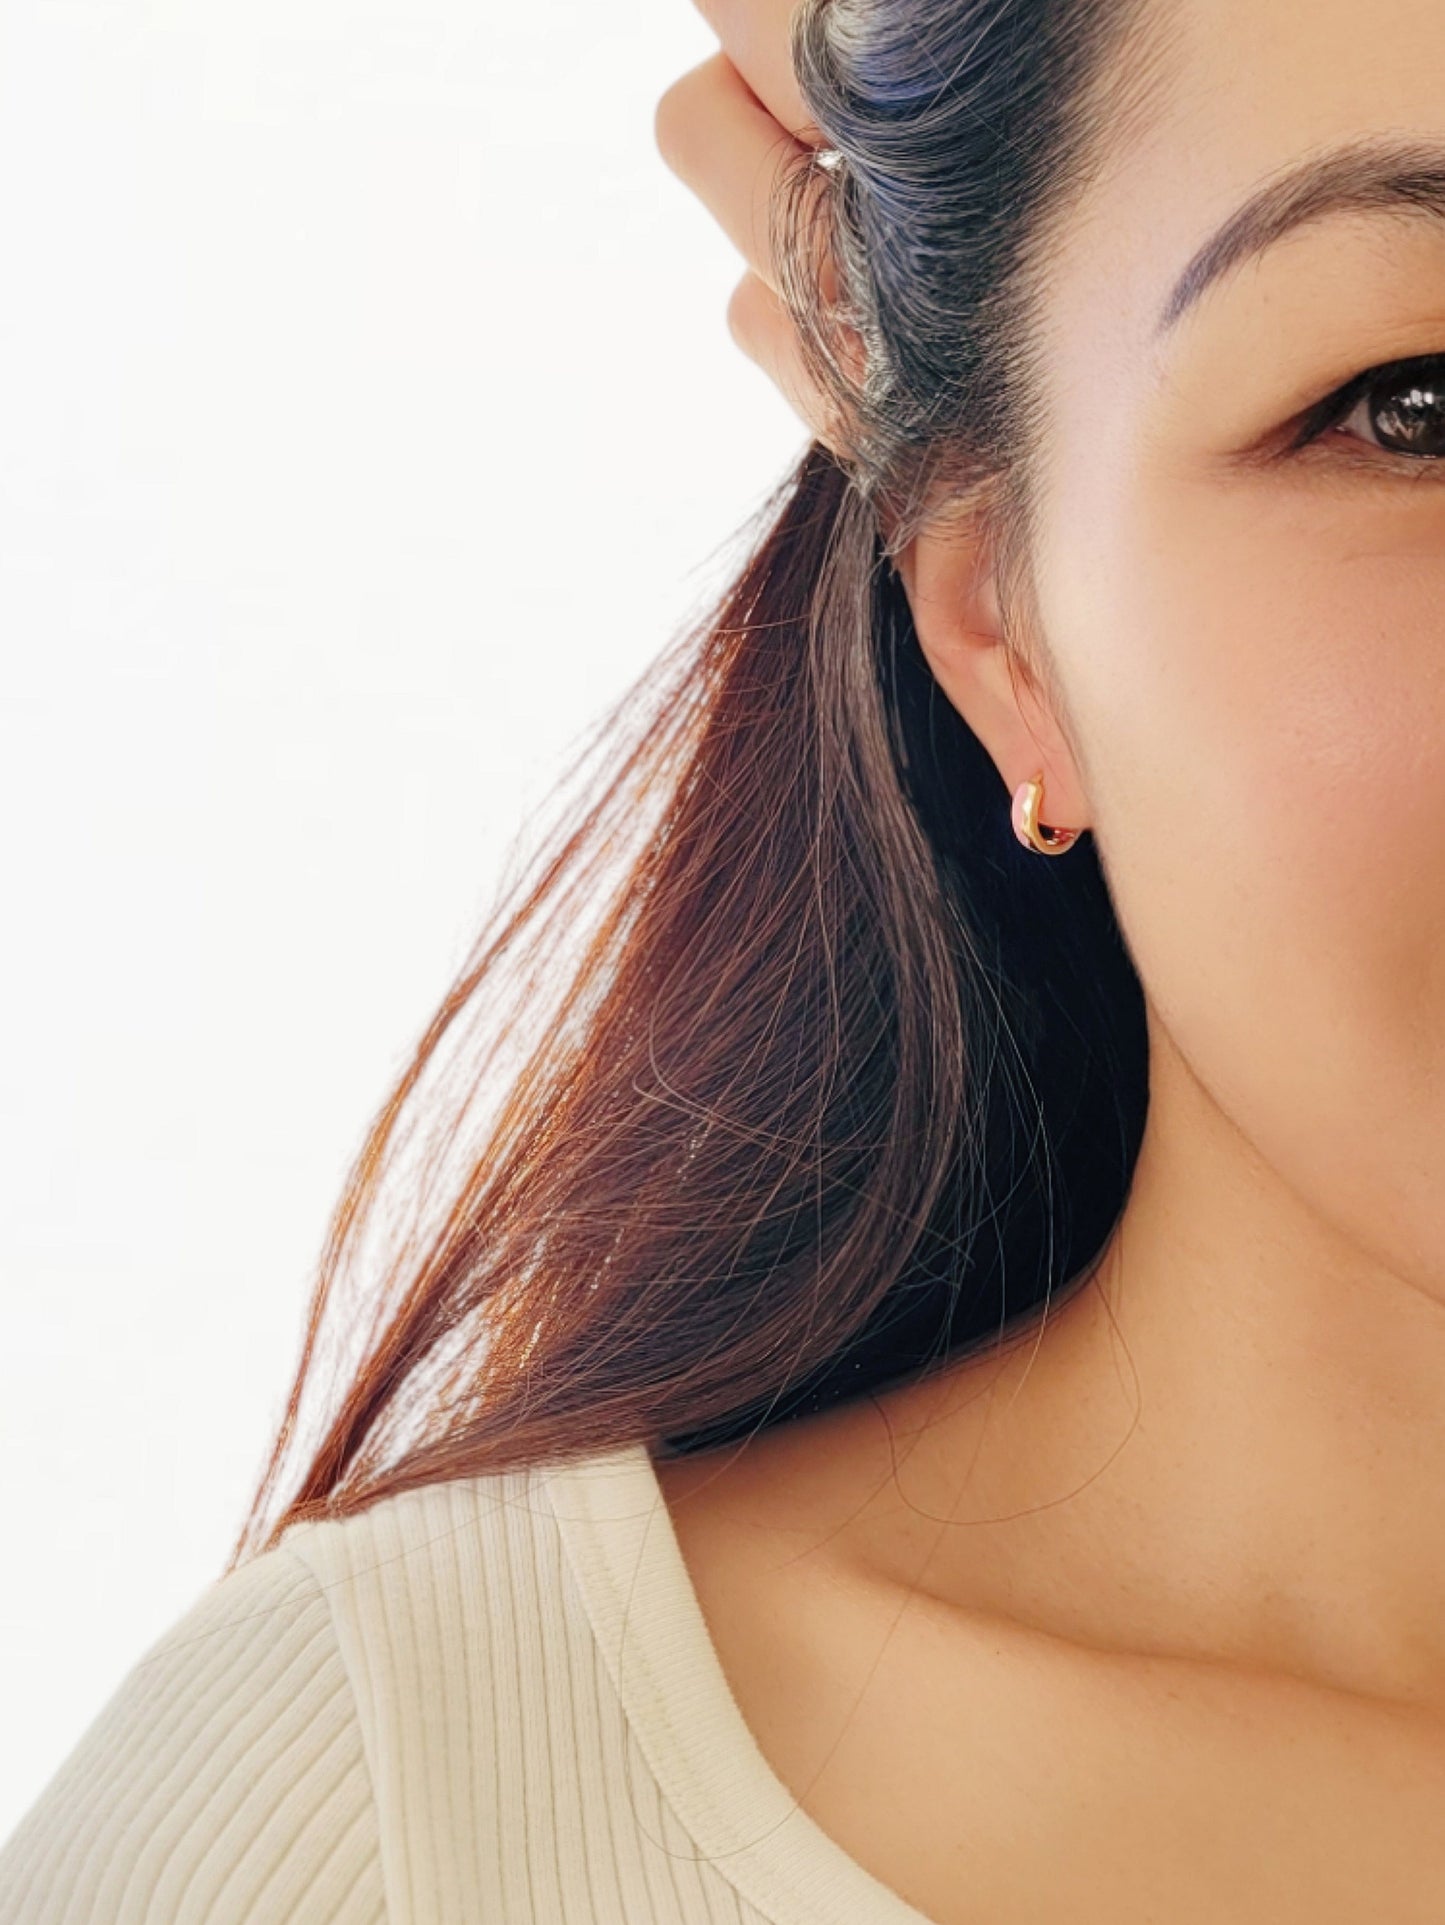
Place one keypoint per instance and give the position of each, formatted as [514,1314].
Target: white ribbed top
[488,1702]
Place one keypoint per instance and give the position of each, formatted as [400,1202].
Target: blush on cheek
[1272,794]
[1334,741]
[1257,682]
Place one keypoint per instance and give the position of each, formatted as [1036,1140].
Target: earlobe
[952,588]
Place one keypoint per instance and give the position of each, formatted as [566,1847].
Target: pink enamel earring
[1028,800]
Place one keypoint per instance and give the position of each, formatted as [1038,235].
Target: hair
[803,1074]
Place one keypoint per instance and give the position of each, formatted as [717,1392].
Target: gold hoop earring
[1028,800]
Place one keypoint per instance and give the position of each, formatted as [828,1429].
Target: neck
[1229,1444]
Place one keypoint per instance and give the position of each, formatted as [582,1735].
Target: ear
[948,574]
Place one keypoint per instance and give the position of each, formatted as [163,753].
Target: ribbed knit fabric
[488,1702]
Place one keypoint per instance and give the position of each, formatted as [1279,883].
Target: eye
[1397,408]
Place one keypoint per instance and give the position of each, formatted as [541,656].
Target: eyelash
[1337,407]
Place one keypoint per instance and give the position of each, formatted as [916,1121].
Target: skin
[1172,1556]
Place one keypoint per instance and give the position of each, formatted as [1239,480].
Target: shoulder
[301,1740]
[223,1780]
[447,1602]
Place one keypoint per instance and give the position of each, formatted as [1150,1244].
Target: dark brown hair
[784,1071]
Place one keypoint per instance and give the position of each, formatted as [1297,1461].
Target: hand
[729,128]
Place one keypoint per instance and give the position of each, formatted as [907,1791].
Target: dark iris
[1407,410]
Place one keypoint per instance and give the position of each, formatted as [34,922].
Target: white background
[368,421]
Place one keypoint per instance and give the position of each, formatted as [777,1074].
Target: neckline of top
[644,1610]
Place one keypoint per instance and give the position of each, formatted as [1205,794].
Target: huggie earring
[1028,800]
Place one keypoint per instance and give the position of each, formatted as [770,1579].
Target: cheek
[1259,683]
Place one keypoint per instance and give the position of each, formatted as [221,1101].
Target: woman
[841,1454]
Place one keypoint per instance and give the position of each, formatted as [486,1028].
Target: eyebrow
[1362,175]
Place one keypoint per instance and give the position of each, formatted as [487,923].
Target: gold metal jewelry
[1028,800]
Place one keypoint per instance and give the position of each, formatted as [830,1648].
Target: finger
[754,36]
[723,144]
[761,326]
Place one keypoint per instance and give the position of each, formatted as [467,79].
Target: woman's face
[1253,648]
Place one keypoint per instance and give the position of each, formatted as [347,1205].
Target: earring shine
[1027,802]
